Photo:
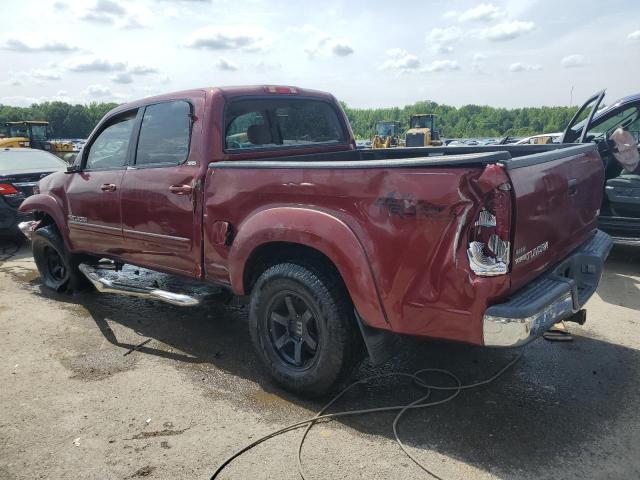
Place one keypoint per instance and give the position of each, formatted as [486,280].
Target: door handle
[108,187]
[573,186]
[181,189]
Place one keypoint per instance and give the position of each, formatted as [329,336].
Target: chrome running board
[104,285]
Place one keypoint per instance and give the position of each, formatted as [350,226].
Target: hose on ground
[421,402]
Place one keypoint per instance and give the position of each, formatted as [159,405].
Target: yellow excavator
[33,134]
[387,134]
[422,131]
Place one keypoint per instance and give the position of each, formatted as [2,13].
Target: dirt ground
[74,406]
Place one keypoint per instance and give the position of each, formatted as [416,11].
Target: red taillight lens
[7,189]
[489,249]
[278,89]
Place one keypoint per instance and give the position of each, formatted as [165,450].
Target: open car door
[576,131]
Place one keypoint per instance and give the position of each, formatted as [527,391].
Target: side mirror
[73,168]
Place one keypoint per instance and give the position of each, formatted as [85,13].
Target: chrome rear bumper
[554,296]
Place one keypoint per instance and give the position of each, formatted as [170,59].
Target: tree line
[65,120]
[466,122]
[77,121]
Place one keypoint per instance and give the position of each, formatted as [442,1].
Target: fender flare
[318,230]
[47,204]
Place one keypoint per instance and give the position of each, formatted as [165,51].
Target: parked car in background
[615,129]
[20,171]
[262,190]
[542,139]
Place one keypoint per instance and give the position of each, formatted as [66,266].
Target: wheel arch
[286,233]
[46,209]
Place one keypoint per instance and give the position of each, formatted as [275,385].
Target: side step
[104,285]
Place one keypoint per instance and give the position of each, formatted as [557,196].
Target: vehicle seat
[627,149]
[259,134]
[623,193]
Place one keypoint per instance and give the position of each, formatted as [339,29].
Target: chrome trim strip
[93,225]
[157,235]
[633,242]
[25,184]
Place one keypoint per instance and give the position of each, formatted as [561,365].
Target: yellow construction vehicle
[387,134]
[33,134]
[422,131]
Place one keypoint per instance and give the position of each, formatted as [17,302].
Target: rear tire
[57,266]
[303,328]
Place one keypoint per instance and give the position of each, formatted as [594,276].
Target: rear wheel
[302,327]
[58,268]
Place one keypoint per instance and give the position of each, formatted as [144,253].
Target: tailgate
[557,199]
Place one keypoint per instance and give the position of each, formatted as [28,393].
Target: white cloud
[45,74]
[342,49]
[94,64]
[265,66]
[442,66]
[398,59]
[18,100]
[574,61]
[122,77]
[483,12]
[524,67]
[226,38]
[98,91]
[104,11]
[224,64]
[442,40]
[141,69]
[507,30]
[24,46]
[634,36]
[450,14]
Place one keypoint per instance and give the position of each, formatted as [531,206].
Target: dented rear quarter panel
[399,234]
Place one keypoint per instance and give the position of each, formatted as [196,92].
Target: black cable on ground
[402,409]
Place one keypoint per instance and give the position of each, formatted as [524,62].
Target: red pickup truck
[262,190]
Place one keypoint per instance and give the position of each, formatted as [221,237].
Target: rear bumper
[552,297]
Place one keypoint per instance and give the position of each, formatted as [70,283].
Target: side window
[624,119]
[281,123]
[109,149]
[165,134]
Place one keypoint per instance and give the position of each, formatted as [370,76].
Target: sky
[373,53]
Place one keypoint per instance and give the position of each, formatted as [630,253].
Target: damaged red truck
[262,190]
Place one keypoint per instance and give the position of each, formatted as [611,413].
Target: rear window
[281,123]
[29,159]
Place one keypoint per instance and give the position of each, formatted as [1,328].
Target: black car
[20,171]
[620,212]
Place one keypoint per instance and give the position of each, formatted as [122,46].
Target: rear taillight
[7,189]
[279,89]
[489,249]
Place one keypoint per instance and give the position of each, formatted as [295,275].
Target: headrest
[627,150]
[259,134]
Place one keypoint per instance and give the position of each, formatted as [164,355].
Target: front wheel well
[273,253]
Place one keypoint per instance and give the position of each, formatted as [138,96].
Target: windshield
[422,122]
[26,159]
[386,129]
[39,132]
[607,125]
[19,131]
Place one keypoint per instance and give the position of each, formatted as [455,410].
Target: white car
[542,139]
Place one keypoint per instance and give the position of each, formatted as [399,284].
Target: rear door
[93,194]
[158,197]
[557,198]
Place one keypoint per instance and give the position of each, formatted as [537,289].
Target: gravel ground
[73,405]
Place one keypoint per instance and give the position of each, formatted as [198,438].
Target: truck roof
[229,92]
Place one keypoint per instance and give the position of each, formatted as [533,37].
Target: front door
[158,193]
[94,218]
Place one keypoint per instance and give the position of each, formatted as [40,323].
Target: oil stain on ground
[98,365]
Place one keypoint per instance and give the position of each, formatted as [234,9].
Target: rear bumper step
[554,296]
[104,285]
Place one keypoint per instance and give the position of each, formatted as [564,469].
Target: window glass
[109,150]
[625,119]
[281,123]
[165,133]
